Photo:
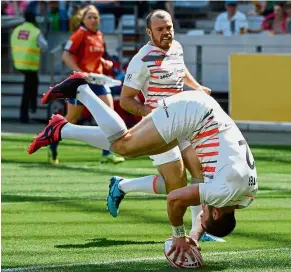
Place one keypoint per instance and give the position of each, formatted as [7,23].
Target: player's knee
[121,147]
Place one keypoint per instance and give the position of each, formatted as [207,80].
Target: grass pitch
[55,218]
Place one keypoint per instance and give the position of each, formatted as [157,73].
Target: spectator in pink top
[15,7]
[276,21]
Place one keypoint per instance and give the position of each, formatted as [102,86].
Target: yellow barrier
[260,87]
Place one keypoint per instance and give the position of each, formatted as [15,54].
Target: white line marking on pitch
[136,260]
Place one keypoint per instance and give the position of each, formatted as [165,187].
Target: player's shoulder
[100,33]
[176,46]
[176,43]
[145,50]
[139,56]
[222,16]
[81,30]
[79,33]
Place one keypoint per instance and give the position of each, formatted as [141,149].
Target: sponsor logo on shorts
[128,77]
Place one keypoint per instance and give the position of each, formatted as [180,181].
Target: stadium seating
[195,32]
[107,23]
[127,24]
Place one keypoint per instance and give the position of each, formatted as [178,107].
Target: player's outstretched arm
[178,201]
[70,62]
[191,82]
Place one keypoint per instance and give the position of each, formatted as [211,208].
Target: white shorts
[177,116]
[171,155]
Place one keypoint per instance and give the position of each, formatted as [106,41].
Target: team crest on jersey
[158,62]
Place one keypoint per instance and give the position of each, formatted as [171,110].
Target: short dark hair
[231,3]
[161,14]
[29,16]
[222,226]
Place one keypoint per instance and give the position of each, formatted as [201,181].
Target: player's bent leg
[107,156]
[74,112]
[120,186]
[140,140]
[143,139]
[107,99]
[159,131]
[174,174]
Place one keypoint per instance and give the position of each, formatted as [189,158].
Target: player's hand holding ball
[183,252]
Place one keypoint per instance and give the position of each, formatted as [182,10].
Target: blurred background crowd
[273,16]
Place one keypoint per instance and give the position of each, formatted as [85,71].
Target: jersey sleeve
[214,195]
[74,42]
[136,74]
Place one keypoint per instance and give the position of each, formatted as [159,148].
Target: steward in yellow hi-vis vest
[26,45]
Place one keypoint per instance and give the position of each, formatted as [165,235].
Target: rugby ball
[188,263]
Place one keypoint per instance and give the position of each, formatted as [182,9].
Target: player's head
[160,28]
[29,16]
[231,7]
[216,221]
[278,10]
[90,17]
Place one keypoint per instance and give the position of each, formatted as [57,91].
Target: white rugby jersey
[228,166]
[230,177]
[157,73]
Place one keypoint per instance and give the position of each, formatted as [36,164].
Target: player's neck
[154,45]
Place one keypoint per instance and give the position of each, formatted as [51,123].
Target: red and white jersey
[87,48]
[157,73]
[229,170]
[230,177]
